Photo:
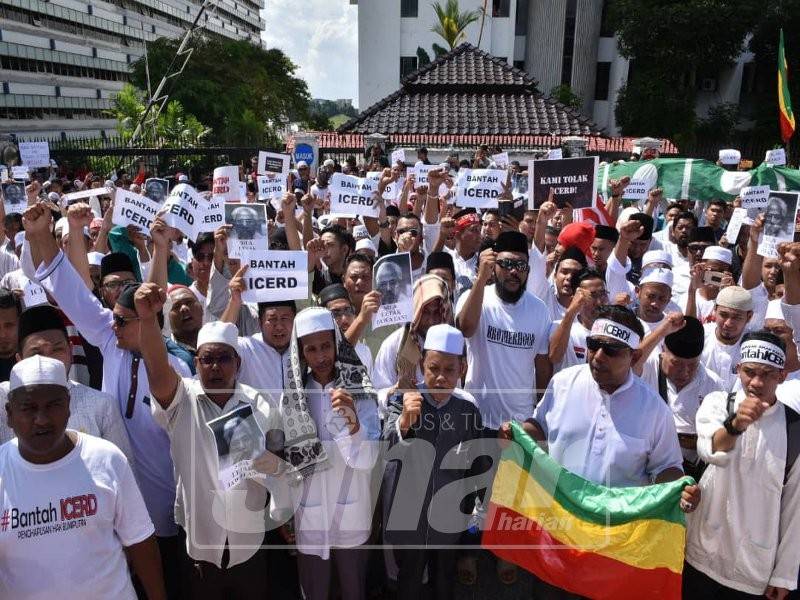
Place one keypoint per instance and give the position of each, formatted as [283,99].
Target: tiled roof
[467,91]
[622,145]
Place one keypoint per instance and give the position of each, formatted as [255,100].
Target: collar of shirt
[604,395]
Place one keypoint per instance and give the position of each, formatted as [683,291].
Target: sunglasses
[611,349]
[115,285]
[693,248]
[121,321]
[410,230]
[507,264]
[223,360]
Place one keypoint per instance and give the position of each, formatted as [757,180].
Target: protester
[10,309]
[47,466]
[733,310]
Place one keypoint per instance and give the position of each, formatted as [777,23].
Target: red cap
[579,235]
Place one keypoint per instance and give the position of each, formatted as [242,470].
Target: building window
[605,26]
[501,8]
[408,64]
[521,21]
[601,81]
[409,8]
[569,41]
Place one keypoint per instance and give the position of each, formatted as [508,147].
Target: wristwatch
[728,425]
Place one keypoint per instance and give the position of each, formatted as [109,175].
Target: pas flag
[594,541]
[786,116]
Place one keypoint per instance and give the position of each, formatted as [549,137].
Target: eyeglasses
[343,312]
[121,321]
[507,264]
[223,360]
[694,248]
[410,230]
[115,285]
[203,256]
[610,348]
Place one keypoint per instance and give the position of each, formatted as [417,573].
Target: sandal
[467,569]
[506,572]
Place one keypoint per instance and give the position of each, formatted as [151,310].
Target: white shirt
[720,358]
[681,271]
[618,440]
[501,374]
[149,442]
[704,307]
[334,508]
[555,311]
[8,261]
[760,297]
[90,411]
[69,522]
[263,367]
[576,352]
[466,271]
[209,514]
[745,533]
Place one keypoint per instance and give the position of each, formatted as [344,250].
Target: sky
[321,37]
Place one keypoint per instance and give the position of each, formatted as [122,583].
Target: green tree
[564,94]
[671,45]
[317,121]
[223,78]
[453,22]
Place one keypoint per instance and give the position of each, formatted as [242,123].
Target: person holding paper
[335,451]
[224,521]
[327,255]
[465,255]
[777,221]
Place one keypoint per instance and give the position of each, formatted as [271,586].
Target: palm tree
[453,22]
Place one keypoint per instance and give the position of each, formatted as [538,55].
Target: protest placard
[271,188]
[133,209]
[20,173]
[421,174]
[270,163]
[754,196]
[479,188]
[14,198]
[156,189]
[33,295]
[226,183]
[91,196]
[353,195]
[776,158]
[501,160]
[398,156]
[574,181]
[392,190]
[242,191]
[239,441]
[555,154]
[392,277]
[34,155]
[213,216]
[248,228]
[735,224]
[3,173]
[779,222]
[643,180]
[184,209]
[275,275]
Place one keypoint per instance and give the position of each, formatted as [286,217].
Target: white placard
[271,188]
[134,209]
[92,196]
[226,183]
[35,154]
[421,174]
[270,163]
[398,156]
[754,196]
[184,209]
[501,160]
[20,173]
[729,157]
[242,191]
[33,294]
[392,278]
[776,158]
[213,216]
[275,275]
[353,195]
[642,181]
[735,225]
[392,191]
[479,188]
[15,199]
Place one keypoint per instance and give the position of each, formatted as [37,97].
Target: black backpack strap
[792,440]
[662,383]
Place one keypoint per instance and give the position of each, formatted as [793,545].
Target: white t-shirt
[720,358]
[500,355]
[64,524]
[576,352]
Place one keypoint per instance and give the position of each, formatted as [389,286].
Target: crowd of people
[163,438]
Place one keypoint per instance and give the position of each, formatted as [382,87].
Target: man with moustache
[507,331]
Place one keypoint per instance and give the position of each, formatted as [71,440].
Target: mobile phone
[713,278]
[504,208]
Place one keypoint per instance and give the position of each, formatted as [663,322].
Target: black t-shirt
[322,279]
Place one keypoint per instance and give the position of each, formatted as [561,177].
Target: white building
[61,61]
[555,41]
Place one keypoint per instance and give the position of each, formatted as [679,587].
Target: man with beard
[568,340]
[775,219]
[733,310]
[397,364]
[507,331]
[681,228]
